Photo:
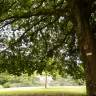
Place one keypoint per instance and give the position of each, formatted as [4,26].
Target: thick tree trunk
[87,46]
[88,51]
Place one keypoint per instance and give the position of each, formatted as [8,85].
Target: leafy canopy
[33,32]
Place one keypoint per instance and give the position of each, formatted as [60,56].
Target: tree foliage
[34,31]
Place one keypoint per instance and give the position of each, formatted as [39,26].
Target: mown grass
[55,91]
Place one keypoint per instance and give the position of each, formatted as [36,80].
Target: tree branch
[40,12]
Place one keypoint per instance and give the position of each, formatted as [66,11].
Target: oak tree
[60,29]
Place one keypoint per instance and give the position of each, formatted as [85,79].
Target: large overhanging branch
[39,12]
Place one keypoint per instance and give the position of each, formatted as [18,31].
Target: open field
[52,91]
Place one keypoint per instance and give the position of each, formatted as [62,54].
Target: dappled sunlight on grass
[80,90]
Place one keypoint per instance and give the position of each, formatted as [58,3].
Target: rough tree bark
[87,45]
[88,51]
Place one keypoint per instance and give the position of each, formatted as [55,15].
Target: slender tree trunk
[46,81]
[87,46]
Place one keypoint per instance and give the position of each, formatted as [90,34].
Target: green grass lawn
[69,90]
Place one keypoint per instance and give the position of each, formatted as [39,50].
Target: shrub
[7,85]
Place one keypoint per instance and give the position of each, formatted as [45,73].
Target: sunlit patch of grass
[79,90]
